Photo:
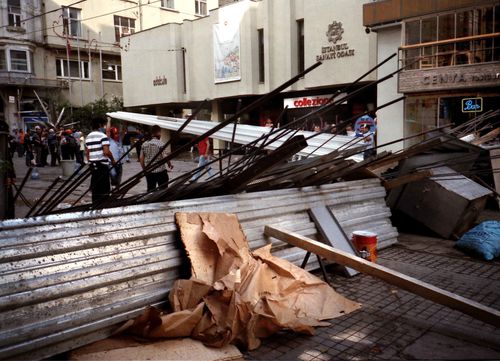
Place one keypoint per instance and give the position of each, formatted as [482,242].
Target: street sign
[472,105]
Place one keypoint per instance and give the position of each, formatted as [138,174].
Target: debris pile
[238,296]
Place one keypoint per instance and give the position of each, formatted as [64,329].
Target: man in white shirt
[99,155]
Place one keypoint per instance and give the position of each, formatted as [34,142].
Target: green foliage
[100,107]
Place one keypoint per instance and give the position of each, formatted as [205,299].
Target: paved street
[34,188]
[397,325]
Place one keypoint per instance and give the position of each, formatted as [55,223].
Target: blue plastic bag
[482,240]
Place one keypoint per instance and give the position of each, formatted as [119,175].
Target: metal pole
[80,68]
[100,66]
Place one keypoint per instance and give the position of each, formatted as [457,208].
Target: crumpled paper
[235,295]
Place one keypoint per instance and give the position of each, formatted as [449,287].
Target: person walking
[116,148]
[204,157]
[53,148]
[139,141]
[126,144]
[99,156]
[37,146]
[157,177]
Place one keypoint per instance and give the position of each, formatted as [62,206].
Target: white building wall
[390,125]
[278,18]
[318,15]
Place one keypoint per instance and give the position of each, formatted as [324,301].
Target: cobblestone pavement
[397,325]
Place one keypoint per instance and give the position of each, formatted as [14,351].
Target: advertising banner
[226,35]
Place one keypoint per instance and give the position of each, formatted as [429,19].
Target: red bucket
[366,244]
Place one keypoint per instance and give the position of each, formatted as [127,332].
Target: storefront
[450,62]
[301,106]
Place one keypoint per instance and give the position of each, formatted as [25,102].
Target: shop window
[168,4]
[300,45]
[200,7]
[75,69]
[412,32]
[262,76]
[14,12]
[474,28]
[72,21]
[123,27]
[420,116]
[446,31]
[111,71]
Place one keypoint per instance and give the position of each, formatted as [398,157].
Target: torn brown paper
[238,296]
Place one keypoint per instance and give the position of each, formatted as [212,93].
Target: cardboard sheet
[238,296]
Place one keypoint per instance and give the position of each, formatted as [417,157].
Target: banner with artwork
[227,66]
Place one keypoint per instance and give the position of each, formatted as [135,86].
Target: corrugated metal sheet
[70,279]
[321,144]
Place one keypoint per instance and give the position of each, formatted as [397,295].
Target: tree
[82,116]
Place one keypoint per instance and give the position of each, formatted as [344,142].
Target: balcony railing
[27,80]
[460,51]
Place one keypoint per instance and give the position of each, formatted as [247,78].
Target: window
[111,71]
[200,7]
[19,60]
[3,63]
[169,4]
[14,10]
[75,69]
[300,45]
[262,75]
[123,27]
[72,21]
[477,26]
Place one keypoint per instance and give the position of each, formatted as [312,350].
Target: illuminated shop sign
[310,101]
[472,105]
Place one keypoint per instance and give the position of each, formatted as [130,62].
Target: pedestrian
[28,147]
[368,141]
[7,177]
[45,147]
[20,151]
[204,152]
[99,156]
[36,144]
[53,147]
[126,145]
[68,145]
[115,147]
[139,140]
[13,141]
[157,177]
[79,147]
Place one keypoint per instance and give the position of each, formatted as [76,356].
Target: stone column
[217,117]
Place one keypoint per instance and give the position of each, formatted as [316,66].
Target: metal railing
[25,79]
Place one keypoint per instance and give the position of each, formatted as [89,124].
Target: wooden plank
[407,178]
[423,289]
[332,233]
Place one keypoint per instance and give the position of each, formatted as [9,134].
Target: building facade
[69,50]
[449,57]
[246,49]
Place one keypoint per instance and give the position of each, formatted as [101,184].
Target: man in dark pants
[157,177]
[99,155]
